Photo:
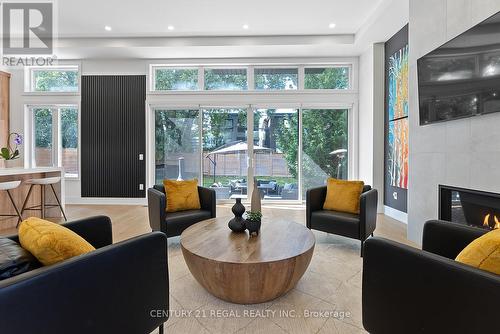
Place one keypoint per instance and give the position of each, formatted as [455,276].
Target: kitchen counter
[19,194]
[19,171]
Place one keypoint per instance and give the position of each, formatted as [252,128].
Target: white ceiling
[214,28]
[148,18]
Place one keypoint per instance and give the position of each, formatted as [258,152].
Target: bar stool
[47,181]
[7,186]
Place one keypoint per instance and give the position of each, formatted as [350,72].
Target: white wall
[366,116]
[371,119]
[464,153]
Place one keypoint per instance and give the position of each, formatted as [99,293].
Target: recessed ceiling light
[332,25]
[108,28]
[170,28]
[245,26]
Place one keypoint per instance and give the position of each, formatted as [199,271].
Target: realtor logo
[27,28]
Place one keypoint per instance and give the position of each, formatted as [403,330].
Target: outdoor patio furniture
[289,191]
[268,186]
[222,192]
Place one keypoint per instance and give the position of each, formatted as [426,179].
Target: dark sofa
[407,290]
[174,223]
[117,288]
[345,224]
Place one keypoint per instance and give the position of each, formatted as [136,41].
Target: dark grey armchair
[118,288]
[174,223]
[408,290]
[345,224]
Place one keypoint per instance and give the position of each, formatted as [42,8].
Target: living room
[319,167]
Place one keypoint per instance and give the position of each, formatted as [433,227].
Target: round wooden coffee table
[247,270]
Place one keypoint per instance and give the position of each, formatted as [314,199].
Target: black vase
[237,224]
[253,226]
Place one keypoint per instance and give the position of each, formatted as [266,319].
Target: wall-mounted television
[462,77]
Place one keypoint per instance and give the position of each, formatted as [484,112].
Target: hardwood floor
[326,300]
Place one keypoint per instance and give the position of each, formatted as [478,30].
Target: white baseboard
[396,214]
[106,201]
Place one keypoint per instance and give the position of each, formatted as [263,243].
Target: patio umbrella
[234,148]
[238,147]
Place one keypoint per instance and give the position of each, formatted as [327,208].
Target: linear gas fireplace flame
[470,207]
[486,221]
[492,223]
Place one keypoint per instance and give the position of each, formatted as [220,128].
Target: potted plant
[11,152]
[253,222]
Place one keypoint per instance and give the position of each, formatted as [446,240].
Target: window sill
[253,92]
[51,94]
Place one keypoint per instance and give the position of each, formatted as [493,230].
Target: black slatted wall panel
[113,134]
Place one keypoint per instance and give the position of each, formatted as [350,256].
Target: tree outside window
[55,80]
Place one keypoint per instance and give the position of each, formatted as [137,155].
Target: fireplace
[469,207]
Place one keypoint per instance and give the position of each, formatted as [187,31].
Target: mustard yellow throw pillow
[483,253]
[182,195]
[49,242]
[343,195]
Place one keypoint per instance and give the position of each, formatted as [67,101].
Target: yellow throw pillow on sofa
[483,252]
[49,242]
[182,195]
[343,195]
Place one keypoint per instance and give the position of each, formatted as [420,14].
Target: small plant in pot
[253,222]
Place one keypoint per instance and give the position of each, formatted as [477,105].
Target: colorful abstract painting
[398,84]
[398,119]
[398,153]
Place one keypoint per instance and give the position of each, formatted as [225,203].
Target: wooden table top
[277,240]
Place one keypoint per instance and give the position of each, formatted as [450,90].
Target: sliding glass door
[291,149]
[275,152]
[324,146]
[225,151]
[177,144]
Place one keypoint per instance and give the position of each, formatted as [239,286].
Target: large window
[276,78]
[260,129]
[262,78]
[226,79]
[324,146]
[55,137]
[326,78]
[61,80]
[177,144]
[175,79]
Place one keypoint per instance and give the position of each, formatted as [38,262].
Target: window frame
[29,79]
[350,79]
[56,136]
